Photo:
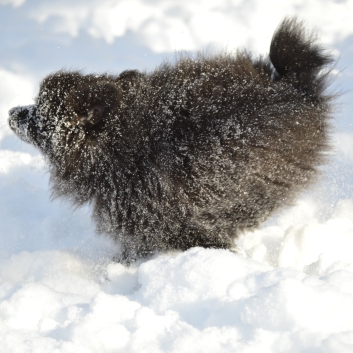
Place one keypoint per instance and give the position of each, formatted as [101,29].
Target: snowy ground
[290,289]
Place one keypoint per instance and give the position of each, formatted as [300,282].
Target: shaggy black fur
[192,153]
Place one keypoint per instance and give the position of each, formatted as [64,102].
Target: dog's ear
[93,103]
[129,79]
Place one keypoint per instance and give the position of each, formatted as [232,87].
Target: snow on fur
[192,153]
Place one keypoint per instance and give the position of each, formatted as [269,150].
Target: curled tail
[296,55]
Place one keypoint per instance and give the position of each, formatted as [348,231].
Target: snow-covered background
[291,287]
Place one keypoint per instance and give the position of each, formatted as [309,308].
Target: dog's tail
[297,57]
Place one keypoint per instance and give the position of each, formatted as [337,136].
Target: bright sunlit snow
[290,287]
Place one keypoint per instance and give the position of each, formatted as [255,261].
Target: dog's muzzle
[19,118]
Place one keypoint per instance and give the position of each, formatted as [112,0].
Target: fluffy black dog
[192,153]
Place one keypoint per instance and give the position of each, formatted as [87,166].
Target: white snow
[290,287]
[197,301]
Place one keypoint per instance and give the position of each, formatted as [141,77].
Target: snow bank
[197,301]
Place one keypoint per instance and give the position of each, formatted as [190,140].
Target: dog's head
[70,108]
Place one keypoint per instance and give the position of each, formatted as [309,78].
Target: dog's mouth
[20,119]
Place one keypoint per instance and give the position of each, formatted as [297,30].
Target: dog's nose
[18,116]
[18,112]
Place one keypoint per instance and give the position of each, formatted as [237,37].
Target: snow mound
[197,301]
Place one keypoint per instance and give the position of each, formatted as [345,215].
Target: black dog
[192,153]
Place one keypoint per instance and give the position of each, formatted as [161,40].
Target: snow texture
[289,290]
